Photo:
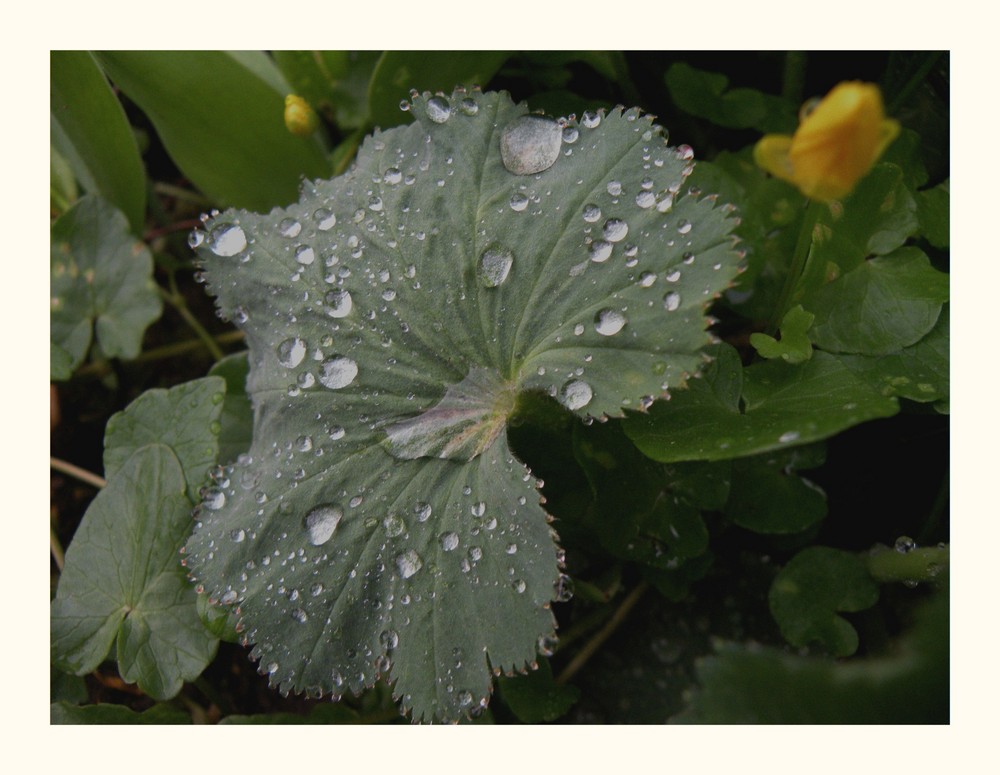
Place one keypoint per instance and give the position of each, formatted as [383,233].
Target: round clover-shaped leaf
[379,524]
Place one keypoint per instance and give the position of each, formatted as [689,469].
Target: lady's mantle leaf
[380,525]
[101,280]
[122,581]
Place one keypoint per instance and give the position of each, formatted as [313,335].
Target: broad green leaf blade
[809,591]
[398,309]
[883,305]
[934,211]
[184,419]
[123,581]
[398,72]
[101,282]
[90,129]
[768,496]
[62,183]
[782,404]
[221,121]
[795,345]
[236,420]
[107,713]
[537,697]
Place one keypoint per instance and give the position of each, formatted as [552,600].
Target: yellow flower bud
[300,118]
[835,145]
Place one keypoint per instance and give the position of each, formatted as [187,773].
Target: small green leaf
[221,117]
[184,419]
[767,496]
[883,305]
[63,687]
[123,582]
[398,72]
[91,131]
[107,713]
[101,282]
[733,412]
[536,697]
[393,316]
[236,420]
[706,95]
[809,591]
[934,213]
[795,345]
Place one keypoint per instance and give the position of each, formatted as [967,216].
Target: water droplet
[238,536]
[469,106]
[448,541]
[227,240]
[518,203]
[674,276]
[646,279]
[520,586]
[478,509]
[338,303]
[576,394]
[423,511]
[325,220]
[213,498]
[389,639]
[229,598]
[438,109]
[578,329]
[609,322]
[475,553]
[788,436]
[196,238]
[547,645]
[591,213]
[614,188]
[530,144]
[408,562]
[464,699]
[590,119]
[494,266]
[570,135]
[338,372]
[394,525]
[289,227]
[375,204]
[645,199]
[672,301]
[684,227]
[336,432]
[321,522]
[615,230]
[305,255]
[511,548]
[316,589]
[600,251]
[291,352]
[392,176]
[905,545]
[299,615]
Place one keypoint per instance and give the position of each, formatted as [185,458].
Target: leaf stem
[181,193]
[888,565]
[77,473]
[799,257]
[58,555]
[915,80]
[594,644]
[176,300]
[166,351]
[793,78]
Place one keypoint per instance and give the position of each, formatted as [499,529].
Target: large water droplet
[305,255]
[518,203]
[672,301]
[291,352]
[338,372]
[788,436]
[530,144]
[289,227]
[591,213]
[590,119]
[448,541]
[609,322]
[394,525]
[408,562]
[600,251]
[494,266]
[227,240]
[321,522]
[576,394]
[615,230]
[338,303]
[325,220]
[438,109]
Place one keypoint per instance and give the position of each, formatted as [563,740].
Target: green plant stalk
[888,565]
[793,77]
[799,258]
[58,555]
[177,302]
[916,79]
[100,368]
[77,473]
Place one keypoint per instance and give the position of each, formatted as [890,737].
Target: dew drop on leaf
[518,203]
[338,372]
[305,255]
[615,230]
[291,352]
[289,227]
[438,109]
[609,322]
[448,541]
[408,563]
[338,303]
[321,523]
[325,220]
[600,251]
[494,266]
[530,144]
[591,213]
[576,394]
[227,240]
[672,301]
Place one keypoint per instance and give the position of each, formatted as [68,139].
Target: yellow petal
[771,154]
[300,118]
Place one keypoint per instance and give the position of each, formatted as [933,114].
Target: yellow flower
[835,145]
[300,118]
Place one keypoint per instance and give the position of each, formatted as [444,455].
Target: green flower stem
[916,79]
[798,265]
[100,368]
[176,300]
[77,473]
[58,555]
[594,644]
[888,565]
[794,76]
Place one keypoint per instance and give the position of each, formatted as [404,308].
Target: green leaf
[706,95]
[64,713]
[767,496]
[101,283]
[123,582]
[399,72]
[883,305]
[221,117]
[733,412]
[90,130]
[809,591]
[536,697]
[919,372]
[184,418]
[62,184]
[396,312]
[63,687]
[934,214]
[741,685]
[795,345]
[337,80]
[236,420]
